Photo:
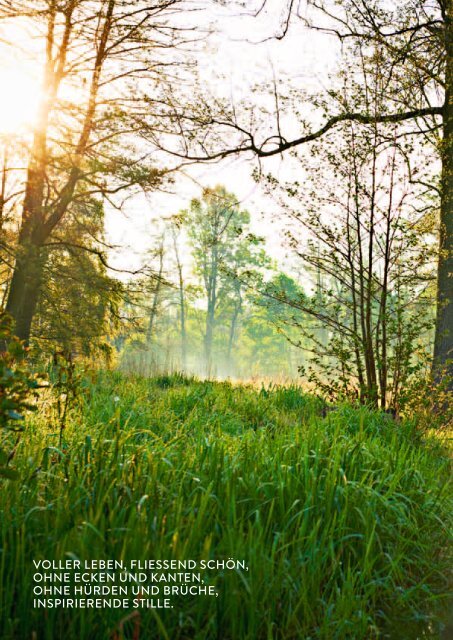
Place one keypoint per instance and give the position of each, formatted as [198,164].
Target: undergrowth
[342,520]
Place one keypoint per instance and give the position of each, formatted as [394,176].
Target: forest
[226,315]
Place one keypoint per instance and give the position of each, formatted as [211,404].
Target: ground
[341,519]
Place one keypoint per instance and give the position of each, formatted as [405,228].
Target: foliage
[66,381]
[85,143]
[225,253]
[18,389]
[430,401]
[360,228]
[341,519]
[190,308]
[78,305]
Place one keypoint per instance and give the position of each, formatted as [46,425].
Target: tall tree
[245,270]
[222,247]
[175,225]
[358,222]
[78,303]
[213,228]
[416,38]
[160,253]
[92,54]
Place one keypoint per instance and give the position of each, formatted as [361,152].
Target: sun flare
[19,101]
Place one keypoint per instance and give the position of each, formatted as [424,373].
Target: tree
[175,227]
[77,309]
[370,251]
[94,54]
[222,249]
[416,39]
[274,324]
[248,264]
[10,194]
[160,252]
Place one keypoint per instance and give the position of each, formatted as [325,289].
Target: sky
[241,53]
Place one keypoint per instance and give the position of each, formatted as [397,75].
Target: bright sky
[242,54]
[237,59]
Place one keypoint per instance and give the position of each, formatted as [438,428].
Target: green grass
[342,520]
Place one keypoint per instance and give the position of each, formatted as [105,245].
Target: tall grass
[342,520]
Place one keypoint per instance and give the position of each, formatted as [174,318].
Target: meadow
[342,516]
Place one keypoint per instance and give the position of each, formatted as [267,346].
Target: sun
[19,99]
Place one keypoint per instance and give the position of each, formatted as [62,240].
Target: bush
[18,388]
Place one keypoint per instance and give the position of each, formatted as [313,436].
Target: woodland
[226,312]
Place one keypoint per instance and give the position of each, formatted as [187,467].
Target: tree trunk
[153,313]
[209,332]
[23,292]
[234,319]
[182,308]
[182,304]
[443,349]
[3,187]
[24,289]
[211,309]
[36,223]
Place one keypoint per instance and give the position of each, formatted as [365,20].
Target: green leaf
[10,474]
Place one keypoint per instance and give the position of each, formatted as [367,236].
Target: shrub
[18,388]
